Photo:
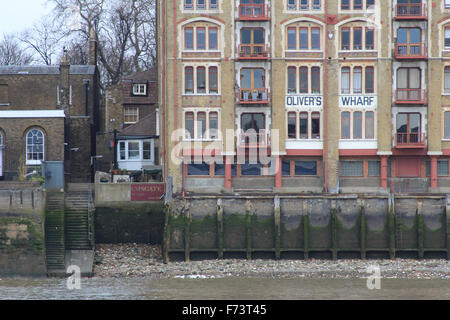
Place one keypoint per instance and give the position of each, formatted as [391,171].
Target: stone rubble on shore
[140,260]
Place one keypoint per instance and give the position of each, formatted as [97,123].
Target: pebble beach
[139,260]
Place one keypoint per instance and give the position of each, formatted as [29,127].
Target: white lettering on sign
[358,101]
[304,101]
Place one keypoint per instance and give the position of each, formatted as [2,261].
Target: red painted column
[434,178]
[228,172]
[278,174]
[384,172]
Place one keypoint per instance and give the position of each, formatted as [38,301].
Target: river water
[222,289]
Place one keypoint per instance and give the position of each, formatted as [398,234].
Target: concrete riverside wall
[22,251]
[337,226]
[110,193]
[129,223]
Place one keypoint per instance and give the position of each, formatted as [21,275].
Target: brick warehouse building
[49,113]
[357,89]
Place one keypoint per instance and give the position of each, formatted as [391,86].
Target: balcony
[253,139]
[411,51]
[410,140]
[411,11]
[253,52]
[254,96]
[253,12]
[410,96]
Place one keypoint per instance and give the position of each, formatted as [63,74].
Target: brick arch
[34,126]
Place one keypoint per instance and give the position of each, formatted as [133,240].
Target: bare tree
[43,39]
[11,53]
[77,52]
[125,29]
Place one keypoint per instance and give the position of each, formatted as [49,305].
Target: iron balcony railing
[411,51]
[410,140]
[252,96]
[411,11]
[253,12]
[253,51]
[252,139]
[410,96]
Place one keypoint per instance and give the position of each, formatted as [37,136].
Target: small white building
[136,148]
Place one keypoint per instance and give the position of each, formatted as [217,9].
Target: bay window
[132,153]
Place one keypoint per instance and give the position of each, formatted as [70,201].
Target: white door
[1,155]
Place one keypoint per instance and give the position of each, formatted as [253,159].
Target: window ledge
[446,94]
[5,104]
[357,51]
[201,94]
[303,140]
[313,51]
[201,51]
[202,140]
[34,163]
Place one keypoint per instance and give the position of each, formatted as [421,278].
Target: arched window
[35,147]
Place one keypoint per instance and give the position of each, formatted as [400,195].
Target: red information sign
[146,192]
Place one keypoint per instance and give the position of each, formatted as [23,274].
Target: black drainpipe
[86,86]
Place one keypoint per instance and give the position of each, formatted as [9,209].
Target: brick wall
[14,134]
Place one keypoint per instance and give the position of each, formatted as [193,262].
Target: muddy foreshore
[136,260]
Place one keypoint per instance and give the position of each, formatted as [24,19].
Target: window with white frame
[35,147]
[357,80]
[140,89]
[136,150]
[201,4]
[303,80]
[358,125]
[447,4]
[202,125]
[130,114]
[303,125]
[201,36]
[201,79]
[303,5]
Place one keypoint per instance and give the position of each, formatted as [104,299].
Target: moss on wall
[130,223]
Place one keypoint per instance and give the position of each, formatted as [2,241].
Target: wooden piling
[333,233]
[219,229]
[363,231]
[277,225]
[187,235]
[166,236]
[420,228]
[391,225]
[306,236]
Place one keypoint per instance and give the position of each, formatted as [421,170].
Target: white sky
[18,15]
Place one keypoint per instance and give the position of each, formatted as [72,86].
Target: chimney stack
[92,47]
[64,86]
